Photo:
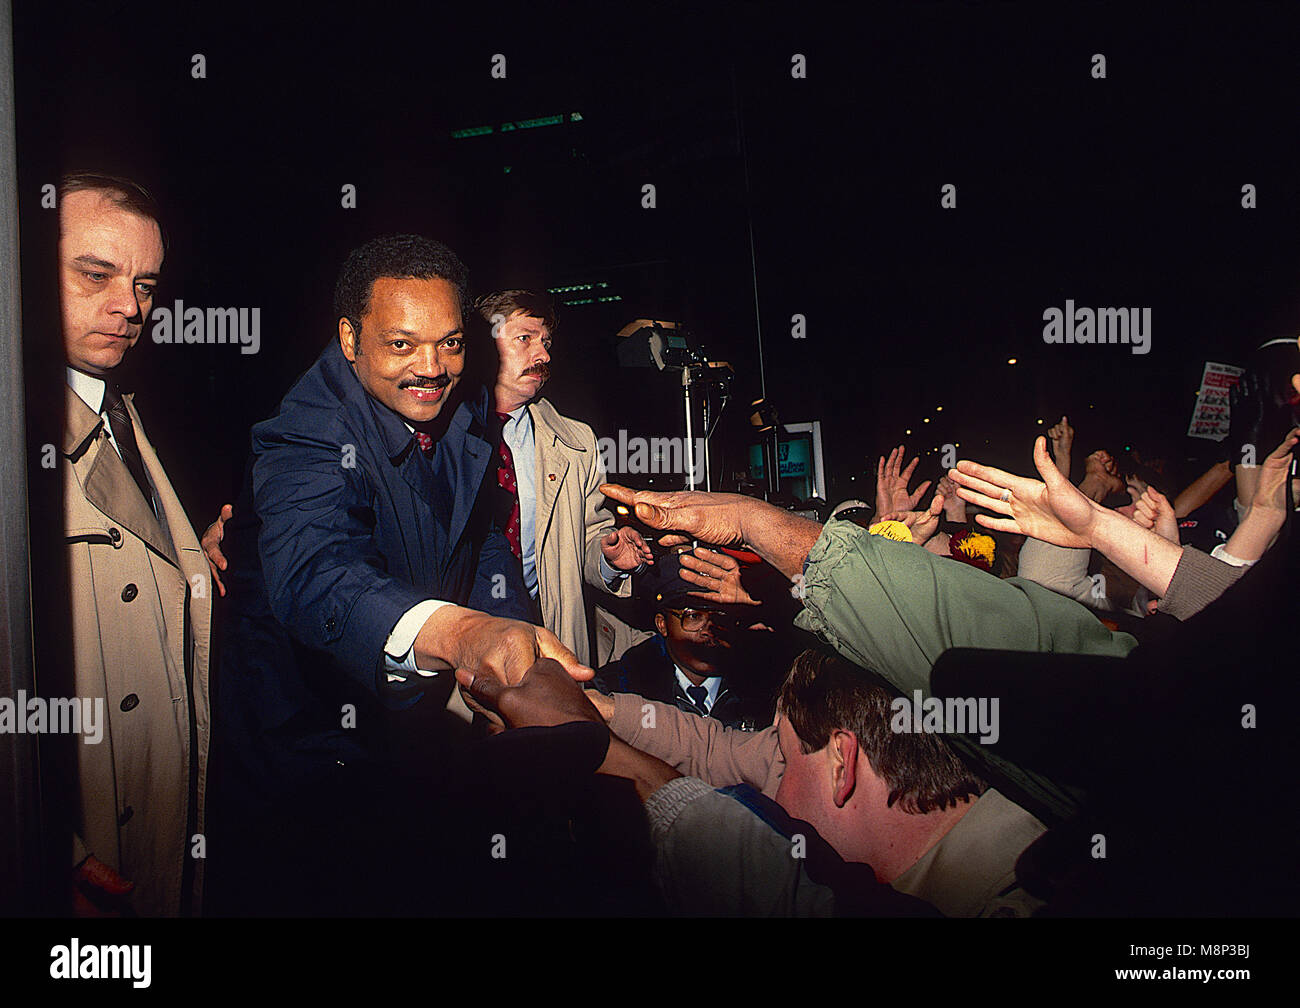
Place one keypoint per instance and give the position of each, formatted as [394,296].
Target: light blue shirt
[521,438]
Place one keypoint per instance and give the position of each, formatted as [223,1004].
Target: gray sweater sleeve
[714,857]
[1198,580]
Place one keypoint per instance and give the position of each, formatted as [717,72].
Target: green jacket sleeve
[894,607]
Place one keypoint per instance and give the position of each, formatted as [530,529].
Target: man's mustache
[543,371]
[426,383]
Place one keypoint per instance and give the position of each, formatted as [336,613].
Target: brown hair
[534,304]
[823,693]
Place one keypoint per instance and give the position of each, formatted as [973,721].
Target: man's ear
[348,340]
[661,624]
[843,752]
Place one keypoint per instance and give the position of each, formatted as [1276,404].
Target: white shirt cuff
[1219,553]
[399,649]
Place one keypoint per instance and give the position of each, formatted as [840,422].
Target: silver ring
[1006,495]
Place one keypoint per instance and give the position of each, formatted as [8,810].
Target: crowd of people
[457,670]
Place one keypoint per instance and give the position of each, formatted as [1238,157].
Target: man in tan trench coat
[140,604]
[559,535]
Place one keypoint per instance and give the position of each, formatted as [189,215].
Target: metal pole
[20,860]
[689,454]
[749,217]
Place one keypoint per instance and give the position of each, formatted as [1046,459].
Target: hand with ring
[1054,510]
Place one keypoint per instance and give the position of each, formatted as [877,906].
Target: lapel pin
[551,477]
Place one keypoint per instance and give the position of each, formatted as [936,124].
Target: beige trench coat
[569,528]
[140,608]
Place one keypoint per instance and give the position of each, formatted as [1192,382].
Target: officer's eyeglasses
[694,619]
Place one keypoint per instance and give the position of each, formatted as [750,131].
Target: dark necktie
[698,695]
[124,434]
[508,491]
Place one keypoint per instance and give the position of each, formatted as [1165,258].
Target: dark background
[1123,191]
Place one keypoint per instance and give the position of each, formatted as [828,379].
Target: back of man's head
[398,256]
[823,694]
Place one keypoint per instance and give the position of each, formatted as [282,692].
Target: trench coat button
[116,537]
[129,593]
[130,702]
[127,813]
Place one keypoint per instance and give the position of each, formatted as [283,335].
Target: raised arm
[1059,513]
[779,537]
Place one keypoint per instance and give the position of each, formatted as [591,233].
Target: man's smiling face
[109,259]
[410,352]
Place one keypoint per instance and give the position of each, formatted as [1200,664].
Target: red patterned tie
[424,441]
[508,506]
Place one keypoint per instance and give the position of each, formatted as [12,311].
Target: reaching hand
[891,484]
[625,549]
[545,695]
[713,517]
[1104,472]
[1153,511]
[1061,435]
[954,508]
[923,524]
[490,645]
[211,543]
[1053,511]
[1270,492]
[717,572]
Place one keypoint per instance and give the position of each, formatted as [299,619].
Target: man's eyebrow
[147,276]
[408,334]
[90,260]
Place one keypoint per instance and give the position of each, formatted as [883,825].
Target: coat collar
[560,428]
[104,477]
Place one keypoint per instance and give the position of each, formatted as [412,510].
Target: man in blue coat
[367,565]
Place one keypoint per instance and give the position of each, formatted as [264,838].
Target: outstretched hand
[546,695]
[1061,434]
[713,517]
[891,484]
[923,524]
[211,543]
[1152,510]
[625,550]
[1053,510]
[717,572]
[1270,492]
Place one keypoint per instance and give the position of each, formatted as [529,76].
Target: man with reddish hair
[548,478]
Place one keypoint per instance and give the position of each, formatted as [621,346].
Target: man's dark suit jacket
[648,671]
[346,526]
